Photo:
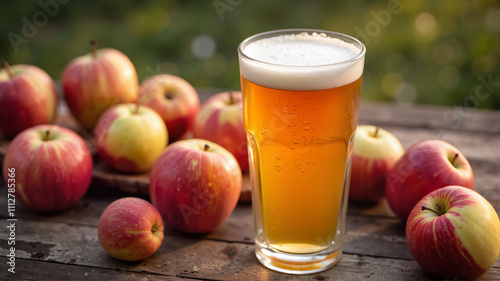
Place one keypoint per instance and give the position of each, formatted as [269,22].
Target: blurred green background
[437,52]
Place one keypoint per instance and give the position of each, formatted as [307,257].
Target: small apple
[425,167]
[195,184]
[96,81]
[220,120]
[27,98]
[53,167]
[130,229]
[130,137]
[454,233]
[375,151]
[174,99]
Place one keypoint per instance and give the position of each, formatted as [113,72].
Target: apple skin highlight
[424,168]
[463,242]
[53,170]
[130,229]
[375,151]
[195,188]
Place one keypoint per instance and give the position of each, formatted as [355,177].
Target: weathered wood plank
[365,234]
[139,183]
[431,117]
[192,257]
[36,270]
[238,227]
[478,146]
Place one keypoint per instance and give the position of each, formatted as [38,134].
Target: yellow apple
[130,137]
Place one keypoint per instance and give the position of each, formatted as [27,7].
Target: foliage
[440,52]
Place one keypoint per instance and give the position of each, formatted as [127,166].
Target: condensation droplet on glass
[296,141]
[292,147]
[278,168]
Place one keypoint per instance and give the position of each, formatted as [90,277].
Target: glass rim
[273,33]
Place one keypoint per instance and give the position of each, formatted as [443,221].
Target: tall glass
[301,91]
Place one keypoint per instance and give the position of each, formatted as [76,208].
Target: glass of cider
[301,91]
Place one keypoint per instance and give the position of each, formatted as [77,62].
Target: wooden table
[64,245]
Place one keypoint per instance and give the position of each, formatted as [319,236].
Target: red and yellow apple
[454,233]
[130,137]
[94,82]
[130,229]
[53,167]
[27,98]
[174,99]
[220,120]
[425,167]
[375,151]
[195,184]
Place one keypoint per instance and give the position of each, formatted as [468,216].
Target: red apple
[220,120]
[130,229]
[27,98]
[96,81]
[130,137]
[454,233]
[425,167]
[53,167]
[174,99]
[195,184]
[375,151]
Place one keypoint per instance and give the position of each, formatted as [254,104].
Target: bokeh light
[203,46]
[425,23]
[405,93]
[426,52]
[492,20]
[390,83]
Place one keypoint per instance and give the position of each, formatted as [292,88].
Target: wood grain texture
[189,256]
[50,246]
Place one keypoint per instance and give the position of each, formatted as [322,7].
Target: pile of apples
[195,154]
[451,230]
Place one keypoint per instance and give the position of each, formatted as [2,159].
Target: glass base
[296,263]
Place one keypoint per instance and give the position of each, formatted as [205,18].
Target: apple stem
[438,206]
[136,111]
[7,69]
[94,43]
[454,158]
[376,132]
[206,147]
[231,97]
[47,135]
[153,229]
[437,212]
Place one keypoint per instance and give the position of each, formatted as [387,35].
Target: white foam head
[304,61]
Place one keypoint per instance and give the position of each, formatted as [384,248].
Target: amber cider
[301,111]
